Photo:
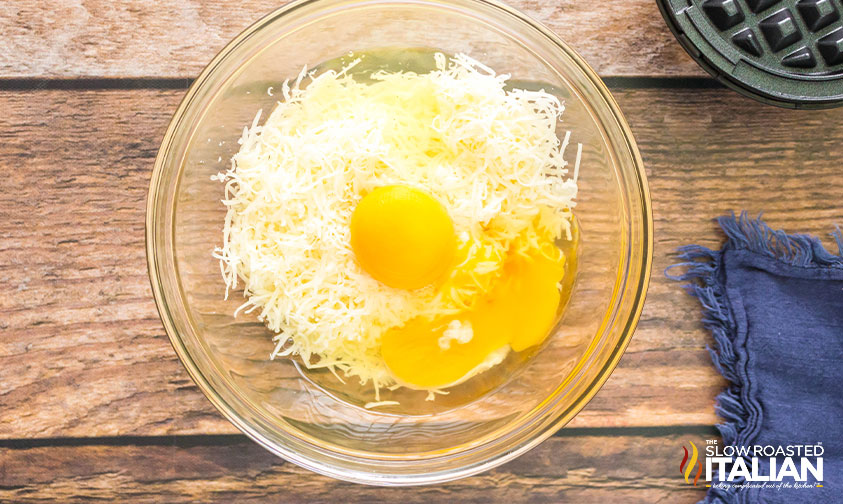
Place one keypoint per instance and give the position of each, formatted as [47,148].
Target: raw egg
[403,236]
[417,358]
[523,304]
[519,311]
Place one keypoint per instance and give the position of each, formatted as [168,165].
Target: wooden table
[93,401]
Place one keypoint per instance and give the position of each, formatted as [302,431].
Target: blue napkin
[774,304]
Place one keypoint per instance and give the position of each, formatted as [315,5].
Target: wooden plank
[82,352]
[176,38]
[617,469]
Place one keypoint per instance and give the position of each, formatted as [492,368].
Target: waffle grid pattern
[802,37]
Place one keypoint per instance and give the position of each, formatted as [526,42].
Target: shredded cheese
[376,404]
[456,331]
[491,155]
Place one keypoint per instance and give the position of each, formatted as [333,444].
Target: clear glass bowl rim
[318,459]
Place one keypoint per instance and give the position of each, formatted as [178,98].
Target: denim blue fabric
[774,304]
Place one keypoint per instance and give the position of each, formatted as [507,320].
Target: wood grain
[176,38]
[617,469]
[82,352]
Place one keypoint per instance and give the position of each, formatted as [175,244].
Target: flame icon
[685,470]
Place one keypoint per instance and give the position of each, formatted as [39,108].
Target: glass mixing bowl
[303,417]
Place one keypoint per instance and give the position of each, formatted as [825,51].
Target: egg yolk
[518,311]
[402,236]
[415,357]
[525,301]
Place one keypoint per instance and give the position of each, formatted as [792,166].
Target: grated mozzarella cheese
[489,154]
[456,331]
